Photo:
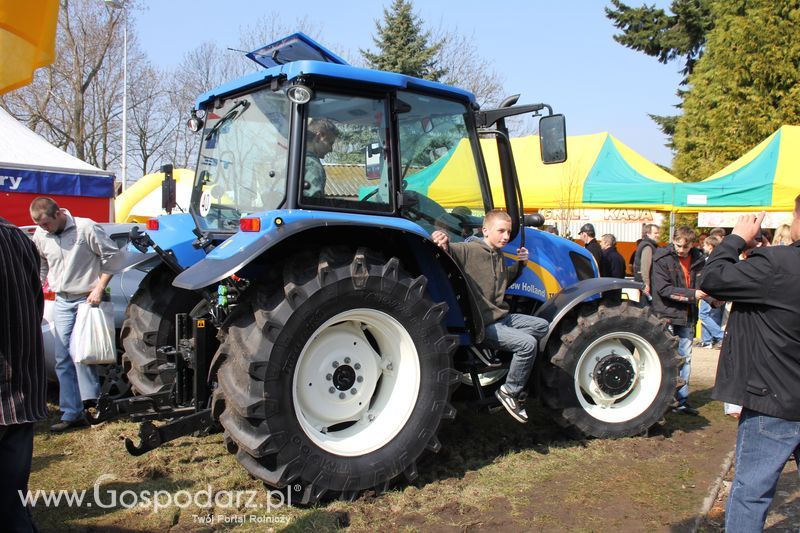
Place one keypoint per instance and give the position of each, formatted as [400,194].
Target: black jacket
[594,248]
[612,264]
[672,299]
[759,366]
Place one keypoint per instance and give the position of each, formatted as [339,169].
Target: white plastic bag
[92,341]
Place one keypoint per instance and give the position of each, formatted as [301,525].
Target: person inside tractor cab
[488,276]
[321,134]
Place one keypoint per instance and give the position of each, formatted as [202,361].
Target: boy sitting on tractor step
[488,276]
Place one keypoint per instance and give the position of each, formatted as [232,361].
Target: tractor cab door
[439,173]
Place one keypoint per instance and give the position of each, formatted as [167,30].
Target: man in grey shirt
[643,258]
[72,251]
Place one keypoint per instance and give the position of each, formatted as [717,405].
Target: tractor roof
[298,55]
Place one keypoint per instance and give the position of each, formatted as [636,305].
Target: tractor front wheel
[337,381]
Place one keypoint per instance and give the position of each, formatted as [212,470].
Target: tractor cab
[311,132]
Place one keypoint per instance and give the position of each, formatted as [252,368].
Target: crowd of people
[757,278]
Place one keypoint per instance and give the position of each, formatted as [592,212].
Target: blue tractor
[341,329]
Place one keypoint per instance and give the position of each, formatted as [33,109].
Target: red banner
[14,207]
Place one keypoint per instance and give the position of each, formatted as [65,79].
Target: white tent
[30,166]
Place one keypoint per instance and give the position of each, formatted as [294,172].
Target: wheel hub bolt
[371,417]
[347,360]
[335,364]
[353,390]
[357,366]
[329,376]
[332,390]
[341,396]
[360,379]
[389,367]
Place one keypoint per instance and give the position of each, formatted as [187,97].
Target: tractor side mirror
[553,139]
[168,196]
[373,160]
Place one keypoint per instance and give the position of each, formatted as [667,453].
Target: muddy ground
[492,473]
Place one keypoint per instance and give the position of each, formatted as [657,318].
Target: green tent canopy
[767,178]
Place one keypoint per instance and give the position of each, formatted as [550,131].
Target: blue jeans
[685,336]
[75,382]
[519,334]
[763,445]
[711,318]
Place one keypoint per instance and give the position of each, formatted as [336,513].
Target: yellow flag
[27,40]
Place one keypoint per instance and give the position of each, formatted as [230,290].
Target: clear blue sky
[558,52]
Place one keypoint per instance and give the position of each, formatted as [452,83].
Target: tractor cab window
[340,132]
[440,182]
[243,159]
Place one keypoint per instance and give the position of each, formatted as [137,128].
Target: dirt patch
[535,479]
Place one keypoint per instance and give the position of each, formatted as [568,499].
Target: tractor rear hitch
[152,436]
[185,405]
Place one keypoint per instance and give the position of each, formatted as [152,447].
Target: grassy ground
[491,473]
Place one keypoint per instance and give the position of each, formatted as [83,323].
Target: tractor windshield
[243,159]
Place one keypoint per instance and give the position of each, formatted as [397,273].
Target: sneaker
[65,425]
[686,409]
[513,405]
[717,345]
[701,344]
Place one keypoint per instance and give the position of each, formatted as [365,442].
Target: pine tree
[746,85]
[651,30]
[403,46]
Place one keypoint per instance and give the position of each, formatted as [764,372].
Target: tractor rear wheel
[150,324]
[337,381]
[611,371]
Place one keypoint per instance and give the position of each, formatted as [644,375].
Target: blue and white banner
[43,182]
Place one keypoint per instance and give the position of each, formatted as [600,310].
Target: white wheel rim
[630,401]
[349,397]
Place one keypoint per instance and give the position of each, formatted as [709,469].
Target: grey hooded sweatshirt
[487,274]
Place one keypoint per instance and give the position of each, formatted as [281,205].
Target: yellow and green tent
[600,170]
[767,178]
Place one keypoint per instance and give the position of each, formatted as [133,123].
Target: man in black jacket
[612,264]
[759,366]
[587,234]
[675,295]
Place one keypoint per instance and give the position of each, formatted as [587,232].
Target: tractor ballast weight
[343,330]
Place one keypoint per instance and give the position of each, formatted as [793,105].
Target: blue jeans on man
[685,336]
[711,320]
[519,334]
[76,382]
[763,445]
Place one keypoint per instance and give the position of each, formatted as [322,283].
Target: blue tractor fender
[446,282]
[562,303]
[174,234]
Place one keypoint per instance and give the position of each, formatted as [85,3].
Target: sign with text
[728,220]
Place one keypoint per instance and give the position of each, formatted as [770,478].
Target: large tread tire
[577,348]
[149,324]
[265,346]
